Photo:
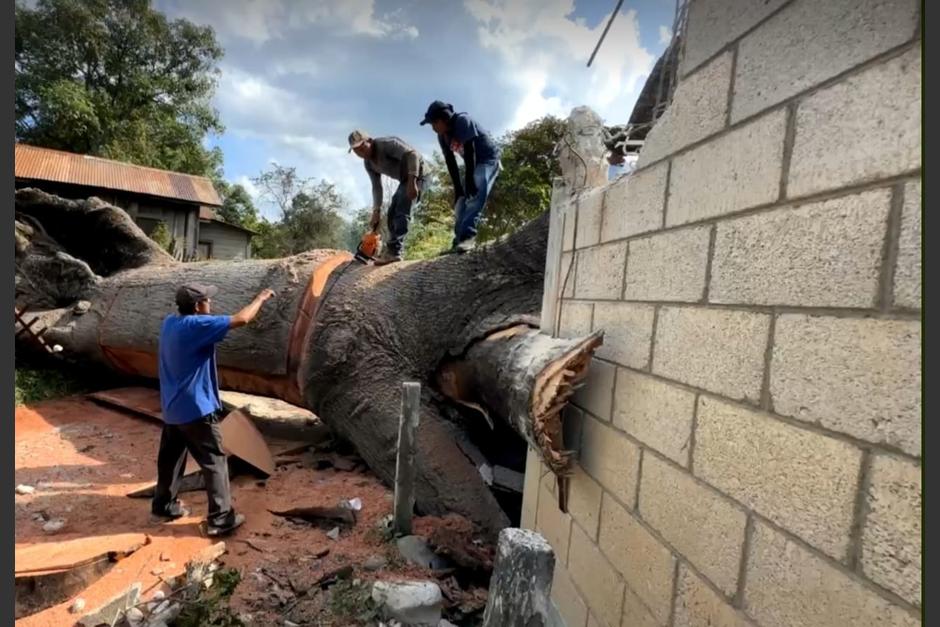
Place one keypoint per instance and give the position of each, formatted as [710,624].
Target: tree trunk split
[339,338]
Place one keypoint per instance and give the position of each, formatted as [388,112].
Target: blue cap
[437,109]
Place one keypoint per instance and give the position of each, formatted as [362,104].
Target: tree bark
[341,337]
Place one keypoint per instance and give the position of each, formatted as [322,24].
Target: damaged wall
[750,436]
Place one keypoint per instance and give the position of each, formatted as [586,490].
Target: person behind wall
[192,407]
[461,134]
[394,158]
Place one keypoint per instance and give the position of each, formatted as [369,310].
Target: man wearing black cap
[459,133]
[189,395]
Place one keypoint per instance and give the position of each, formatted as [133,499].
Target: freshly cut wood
[46,558]
[340,338]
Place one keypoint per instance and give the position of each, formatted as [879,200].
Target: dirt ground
[83,459]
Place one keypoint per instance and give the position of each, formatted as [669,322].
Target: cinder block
[856,376]
[907,271]
[569,222]
[803,481]
[530,489]
[646,565]
[572,425]
[635,614]
[571,606]
[596,396]
[575,319]
[598,582]
[736,171]
[634,204]
[698,605]
[610,458]
[892,536]
[713,24]
[700,524]
[810,42]
[864,128]
[787,585]
[600,271]
[716,349]
[655,413]
[590,206]
[628,331]
[825,254]
[566,278]
[668,266]
[554,524]
[698,109]
[584,500]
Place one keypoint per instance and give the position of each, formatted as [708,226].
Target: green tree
[117,79]
[237,208]
[161,235]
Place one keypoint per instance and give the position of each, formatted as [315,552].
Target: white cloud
[665,35]
[545,50]
[249,186]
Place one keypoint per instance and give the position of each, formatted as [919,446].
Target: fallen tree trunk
[340,338]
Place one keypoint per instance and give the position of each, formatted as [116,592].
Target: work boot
[467,245]
[386,258]
[214,531]
[173,512]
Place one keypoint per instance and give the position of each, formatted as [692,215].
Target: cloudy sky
[298,75]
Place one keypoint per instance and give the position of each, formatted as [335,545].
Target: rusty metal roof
[44,164]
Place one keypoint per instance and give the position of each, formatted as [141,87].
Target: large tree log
[340,338]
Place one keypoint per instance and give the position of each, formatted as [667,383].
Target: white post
[405,467]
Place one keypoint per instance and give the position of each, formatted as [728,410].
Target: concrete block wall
[750,433]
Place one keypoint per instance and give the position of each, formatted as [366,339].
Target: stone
[705,527]
[646,564]
[892,538]
[787,584]
[54,526]
[698,109]
[333,534]
[714,24]
[697,604]
[863,128]
[77,605]
[374,563]
[719,350]
[810,42]
[635,203]
[134,616]
[109,612]
[655,413]
[856,376]
[825,254]
[733,172]
[600,271]
[668,266]
[803,481]
[416,551]
[25,489]
[628,332]
[612,459]
[521,584]
[907,270]
[411,602]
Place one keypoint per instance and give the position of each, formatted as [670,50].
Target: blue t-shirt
[189,383]
[463,128]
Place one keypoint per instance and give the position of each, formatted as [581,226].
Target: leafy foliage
[161,235]
[210,608]
[116,79]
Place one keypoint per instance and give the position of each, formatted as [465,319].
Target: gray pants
[203,440]
[399,215]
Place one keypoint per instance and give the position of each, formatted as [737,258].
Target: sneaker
[386,258]
[179,512]
[214,531]
[466,245]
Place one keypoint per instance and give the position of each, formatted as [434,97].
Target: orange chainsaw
[368,247]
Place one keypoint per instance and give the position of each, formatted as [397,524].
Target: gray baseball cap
[190,294]
[357,138]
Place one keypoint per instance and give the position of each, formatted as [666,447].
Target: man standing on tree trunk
[458,132]
[394,158]
[192,408]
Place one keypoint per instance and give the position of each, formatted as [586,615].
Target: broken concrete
[110,612]
[411,602]
[416,551]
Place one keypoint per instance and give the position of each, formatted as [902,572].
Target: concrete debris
[134,617]
[445,623]
[110,612]
[416,551]
[77,605]
[81,307]
[333,534]
[374,563]
[25,489]
[54,526]
[411,602]
[158,596]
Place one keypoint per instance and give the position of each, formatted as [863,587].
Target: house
[184,203]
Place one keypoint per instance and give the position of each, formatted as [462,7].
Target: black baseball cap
[437,109]
[190,294]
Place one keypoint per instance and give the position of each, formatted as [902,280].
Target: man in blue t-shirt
[459,133]
[192,408]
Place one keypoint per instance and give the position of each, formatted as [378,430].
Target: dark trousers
[203,440]
[399,215]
